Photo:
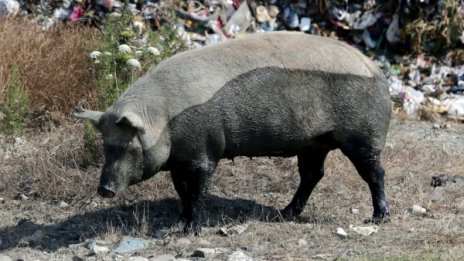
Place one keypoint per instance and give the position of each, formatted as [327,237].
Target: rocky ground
[49,209]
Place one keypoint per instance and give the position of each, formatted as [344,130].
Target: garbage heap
[419,43]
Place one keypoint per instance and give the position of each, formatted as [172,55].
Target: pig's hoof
[378,219]
[289,213]
[190,227]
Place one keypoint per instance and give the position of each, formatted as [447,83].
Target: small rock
[436,126]
[2,201]
[129,245]
[5,258]
[63,204]
[302,242]
[97,250]
[455,178]
[341,232]
[164,258]
[365,231]
[439,180]
[355,210]
[436,196]
[234,230]
[412,230]
[418,210]
[204,253]
[137,258]
[160,234]
[77,258]
[239,256]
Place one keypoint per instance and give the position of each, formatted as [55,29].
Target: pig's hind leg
[366,160]
[311,169]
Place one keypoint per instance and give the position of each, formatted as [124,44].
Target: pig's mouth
[106,192]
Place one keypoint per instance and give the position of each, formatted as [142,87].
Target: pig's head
[133,151]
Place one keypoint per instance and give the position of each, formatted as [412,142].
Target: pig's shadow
[159,215]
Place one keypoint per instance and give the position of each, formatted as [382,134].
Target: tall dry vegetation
[53,65]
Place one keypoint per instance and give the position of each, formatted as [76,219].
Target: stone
[418,210]
[341,232]
[97,250]
[129,245]
[439,180]
[302,242]
[2,200]
[354,210]
[365,230]
[436,196]
[5,258]
[164,258]
[137,258]
[239,256]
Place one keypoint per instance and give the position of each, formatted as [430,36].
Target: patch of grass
[16,105]
[52,65]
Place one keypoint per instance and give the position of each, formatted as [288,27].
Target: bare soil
[48,183]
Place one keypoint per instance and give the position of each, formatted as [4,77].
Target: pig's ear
[92,116]
[131,120]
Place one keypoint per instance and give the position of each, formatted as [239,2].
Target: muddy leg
[311,169]
[367,162]
[191,182]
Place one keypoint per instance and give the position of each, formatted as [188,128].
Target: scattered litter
[341,232]
[234,230]
[418,210]
[365,230]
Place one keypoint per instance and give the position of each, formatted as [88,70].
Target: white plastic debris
[9,8]
[418,210]
[341,232]
[365,230]
[412,100]
[456,107]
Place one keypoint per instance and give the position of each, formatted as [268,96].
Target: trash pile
[426,87]
[423,84]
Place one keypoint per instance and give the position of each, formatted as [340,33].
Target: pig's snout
[106,192]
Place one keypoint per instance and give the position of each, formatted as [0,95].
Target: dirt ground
[49,209]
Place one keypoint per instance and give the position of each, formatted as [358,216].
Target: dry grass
[53,65]
[251,192]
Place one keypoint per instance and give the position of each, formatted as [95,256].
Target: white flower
[134,63]
[95,54]
[109,77]
[153,50]
[124,48]
[107,53]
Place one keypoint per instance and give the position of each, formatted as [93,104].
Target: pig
[278,94]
